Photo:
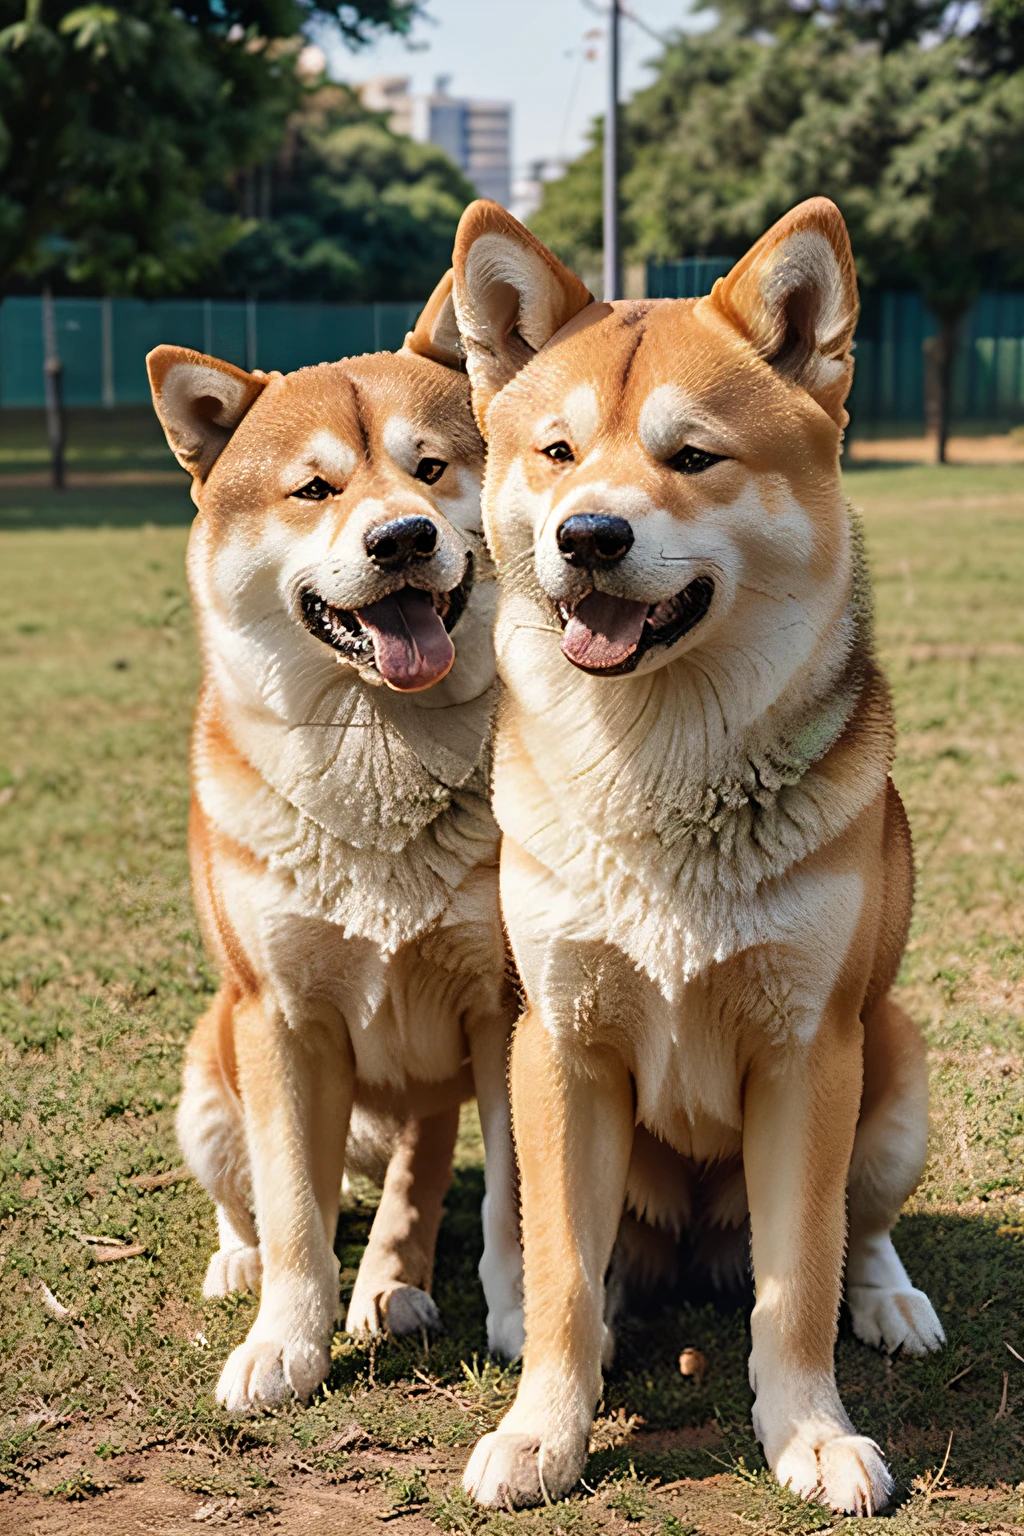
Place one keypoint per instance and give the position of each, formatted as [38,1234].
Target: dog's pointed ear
[200,402]
[436,332]
[794,297]
[511,296]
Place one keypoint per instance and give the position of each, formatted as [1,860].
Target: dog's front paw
[846,1473]
[401,1311]
[508,1471]
[505,1332]
[231,1270]
[892,1320]
[265,1371]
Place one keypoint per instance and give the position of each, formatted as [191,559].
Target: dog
[342,847]
[706,871]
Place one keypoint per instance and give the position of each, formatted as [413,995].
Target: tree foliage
[922,147]
[353,211]
[116,119]
[909,114]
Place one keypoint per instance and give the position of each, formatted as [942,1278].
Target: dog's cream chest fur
[411,920]
[648,893]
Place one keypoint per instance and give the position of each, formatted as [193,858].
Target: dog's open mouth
[406,635]
[608,635]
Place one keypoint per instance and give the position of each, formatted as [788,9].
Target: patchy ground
[988,448]
[107,1422]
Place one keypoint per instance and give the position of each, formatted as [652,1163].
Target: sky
[529,52]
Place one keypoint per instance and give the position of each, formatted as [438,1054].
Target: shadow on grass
[972,1267]
[25,509]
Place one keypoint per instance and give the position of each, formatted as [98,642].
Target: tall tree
[350,210]
[922,147]
[117,119]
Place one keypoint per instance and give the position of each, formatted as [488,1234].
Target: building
[477,135]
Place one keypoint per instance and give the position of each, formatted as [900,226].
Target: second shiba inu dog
[706,871]
[343,853]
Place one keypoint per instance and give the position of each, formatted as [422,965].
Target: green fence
[889,378]
[103,342]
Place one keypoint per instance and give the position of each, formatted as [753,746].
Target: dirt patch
[698,1439]
[171,1494]
[998,448]
[83,478]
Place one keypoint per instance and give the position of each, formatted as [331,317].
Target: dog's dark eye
[430,470]
[316,490]
[559,453]
[693,461]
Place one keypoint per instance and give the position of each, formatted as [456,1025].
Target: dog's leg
[392,1288]
[212,1137]
[799,1117]
[296,1088]
[574,1131]
[888,1159]
[501,1264]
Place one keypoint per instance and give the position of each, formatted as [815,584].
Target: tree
[117,119]
[922,147]
[935,194]
[351,210]
[888,23]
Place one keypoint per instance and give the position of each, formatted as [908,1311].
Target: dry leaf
[346,1438]
[53,1306]
[111,1255]
[159,1180]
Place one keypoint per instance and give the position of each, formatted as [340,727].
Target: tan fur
[706,872]
[343,853]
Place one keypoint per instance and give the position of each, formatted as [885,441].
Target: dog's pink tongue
[411,646]
[604,631]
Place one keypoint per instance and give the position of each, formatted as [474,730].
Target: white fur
[582,415]
[671,419]
[676,875]
[186,383]
[495,259]
[458,492]
[325,455]
[403,441]
[806,260]
[379,857]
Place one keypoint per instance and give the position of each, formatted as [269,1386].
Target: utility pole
[53,370]
[612,259]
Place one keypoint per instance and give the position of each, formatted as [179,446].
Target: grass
[96,440]
[109,1409]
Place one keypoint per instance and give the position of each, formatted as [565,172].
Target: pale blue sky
[525,51]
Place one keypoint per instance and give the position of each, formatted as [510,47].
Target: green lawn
[98,440]
[107,1421]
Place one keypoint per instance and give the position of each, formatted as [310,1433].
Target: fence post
[52,378]
[107,352]
[250,333]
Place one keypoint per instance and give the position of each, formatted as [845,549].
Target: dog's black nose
[401,540]
[592,538]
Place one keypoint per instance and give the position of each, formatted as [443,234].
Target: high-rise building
[477,135]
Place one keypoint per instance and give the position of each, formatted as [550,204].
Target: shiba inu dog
[343,852]
[706,872]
